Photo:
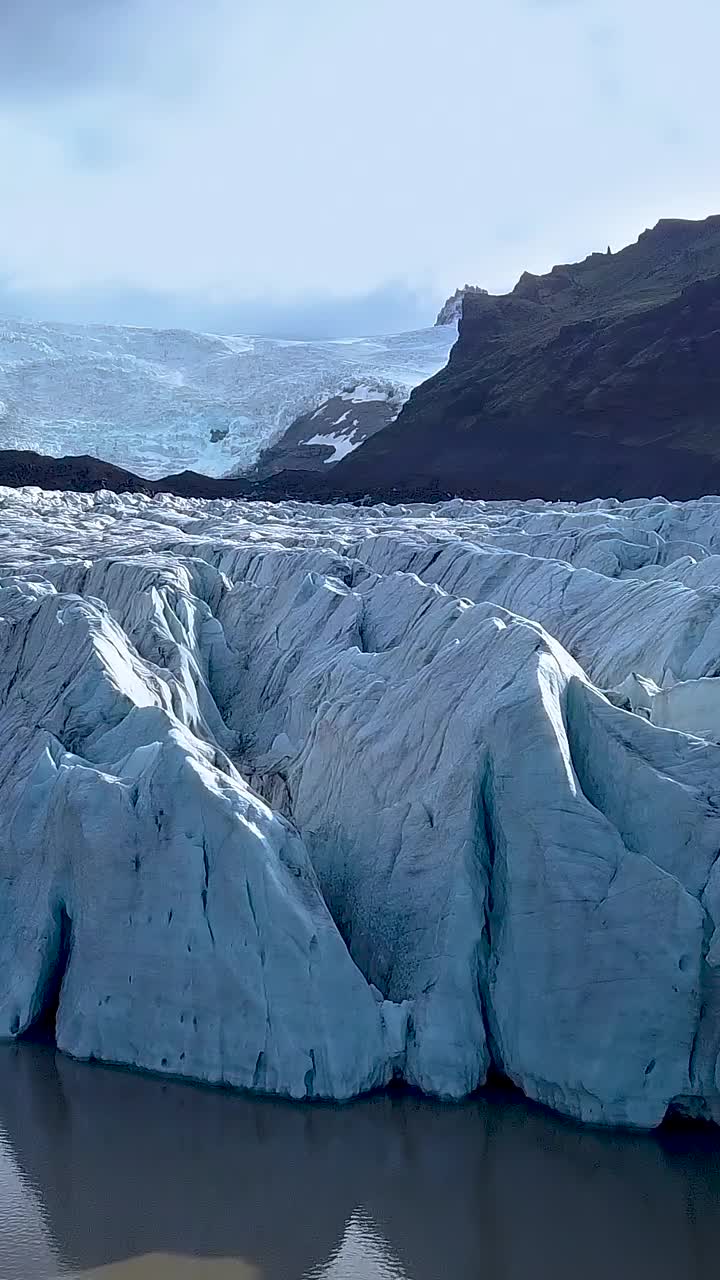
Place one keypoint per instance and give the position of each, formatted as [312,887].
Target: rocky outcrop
[85,474]
[299,798]
[452,309]
[600,377]
[81,474]
[338,426]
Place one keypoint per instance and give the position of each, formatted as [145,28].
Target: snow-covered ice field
[162,400]
[299,799]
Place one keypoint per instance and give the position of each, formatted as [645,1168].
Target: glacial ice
[301,798]
[158,401]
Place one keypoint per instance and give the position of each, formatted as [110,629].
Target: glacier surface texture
[300,799]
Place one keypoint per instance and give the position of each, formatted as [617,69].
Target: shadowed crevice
[47,998]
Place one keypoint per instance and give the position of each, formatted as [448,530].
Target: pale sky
[330,166]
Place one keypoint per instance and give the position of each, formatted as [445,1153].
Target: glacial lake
[108,1174]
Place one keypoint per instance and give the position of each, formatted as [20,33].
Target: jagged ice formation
[301,798]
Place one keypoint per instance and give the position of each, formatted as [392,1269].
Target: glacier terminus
[302,798]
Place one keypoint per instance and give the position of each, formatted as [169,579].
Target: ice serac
[299,798]
[174,919]
[452,309]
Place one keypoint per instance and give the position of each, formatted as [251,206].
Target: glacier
[302,799]
[156,401]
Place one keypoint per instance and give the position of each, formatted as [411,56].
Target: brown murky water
[121,1177]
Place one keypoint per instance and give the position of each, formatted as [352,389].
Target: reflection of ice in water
[26,1252]
[362,1254]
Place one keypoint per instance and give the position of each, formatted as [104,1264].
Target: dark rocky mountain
[86,474]
[80,475]
[600,378]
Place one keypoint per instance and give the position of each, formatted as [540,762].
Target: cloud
[51,48]
[232,153]
[394,308]
[47,46]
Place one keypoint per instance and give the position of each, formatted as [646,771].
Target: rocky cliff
[600,377]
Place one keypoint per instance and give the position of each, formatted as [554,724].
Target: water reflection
[26,1246]
[106,1166]
[361,1255]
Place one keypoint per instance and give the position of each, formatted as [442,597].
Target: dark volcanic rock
[321,438]
[600,378]
[80,475]
[87,475]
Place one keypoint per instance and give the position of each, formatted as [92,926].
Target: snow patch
[341,445]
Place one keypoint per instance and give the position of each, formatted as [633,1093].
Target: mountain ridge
[594,378]
[599,377]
